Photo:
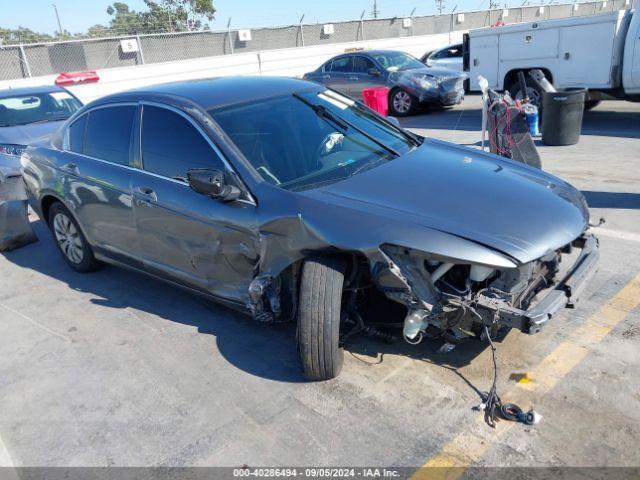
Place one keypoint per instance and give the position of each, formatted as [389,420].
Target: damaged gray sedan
[291,202]
[411,83]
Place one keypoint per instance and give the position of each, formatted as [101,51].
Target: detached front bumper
[566,293]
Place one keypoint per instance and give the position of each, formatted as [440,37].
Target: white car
[448,57]
[29,115]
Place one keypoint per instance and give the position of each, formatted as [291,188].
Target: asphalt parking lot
[115,369]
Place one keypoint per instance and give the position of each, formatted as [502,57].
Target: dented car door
[185,236]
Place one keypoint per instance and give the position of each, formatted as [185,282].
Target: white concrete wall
[285,62]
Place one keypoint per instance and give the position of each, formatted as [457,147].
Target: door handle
[326,77]
[71,168]
[145,193]
[353,78]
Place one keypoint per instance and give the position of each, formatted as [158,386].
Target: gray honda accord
[291,202]
[410,82]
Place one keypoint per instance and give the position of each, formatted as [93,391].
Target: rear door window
[108,134]
[171,145]
[342,65]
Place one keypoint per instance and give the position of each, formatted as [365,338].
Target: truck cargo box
[585,51]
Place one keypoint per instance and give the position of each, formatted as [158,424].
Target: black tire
[319,309]
[591,104]
[86,262]
[534,91]
[398,111]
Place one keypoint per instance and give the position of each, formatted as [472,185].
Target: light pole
[375,12]
[55,8]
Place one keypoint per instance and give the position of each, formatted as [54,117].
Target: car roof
[368,52]
[14,92]
[214,93]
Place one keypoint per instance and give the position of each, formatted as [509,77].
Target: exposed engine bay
[456,301]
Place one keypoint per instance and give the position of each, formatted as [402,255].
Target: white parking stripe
[605,232]
[5,458]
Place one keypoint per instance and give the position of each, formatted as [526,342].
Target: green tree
[182,14]
[124,21]
[161,16]
[14,36]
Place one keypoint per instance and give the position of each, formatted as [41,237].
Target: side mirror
[211,183]
[429,62]
[374,72]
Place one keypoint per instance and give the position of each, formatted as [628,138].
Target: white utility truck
[598,52]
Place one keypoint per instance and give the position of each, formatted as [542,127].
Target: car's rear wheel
[401,103]
[70,240]
[533,92]
[319,313]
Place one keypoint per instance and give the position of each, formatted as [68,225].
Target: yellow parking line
[468,448]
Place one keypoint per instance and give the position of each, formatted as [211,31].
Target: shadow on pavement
[599,122]
[619,200]
[624,124]
[469,120]
[264,350]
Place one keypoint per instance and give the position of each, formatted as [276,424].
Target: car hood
[27,134]
[439,72]
[520,211]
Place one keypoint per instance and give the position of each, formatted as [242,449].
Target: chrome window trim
[65,145]
[202,133]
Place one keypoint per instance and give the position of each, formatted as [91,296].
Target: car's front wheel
[70,240]
[319,313]
[401,103]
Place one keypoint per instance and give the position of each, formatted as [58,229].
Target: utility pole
[58,18]
[440,6]
[375,12]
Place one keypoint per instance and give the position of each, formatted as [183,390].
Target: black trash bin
[562,116]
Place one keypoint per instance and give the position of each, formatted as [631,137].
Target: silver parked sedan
[411,83]
[30,115]
[290,201]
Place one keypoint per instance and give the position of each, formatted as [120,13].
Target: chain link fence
[37,59]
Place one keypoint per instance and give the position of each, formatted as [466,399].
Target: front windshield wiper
[405,133]
[323,112]
[366,166]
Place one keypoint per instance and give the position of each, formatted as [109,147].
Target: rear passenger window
[343,64]
[76,135]
[171,145]
[108,134]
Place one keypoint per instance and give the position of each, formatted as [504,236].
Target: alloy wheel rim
[402,102]
[68,238]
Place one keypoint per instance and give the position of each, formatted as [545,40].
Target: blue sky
[78,15]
